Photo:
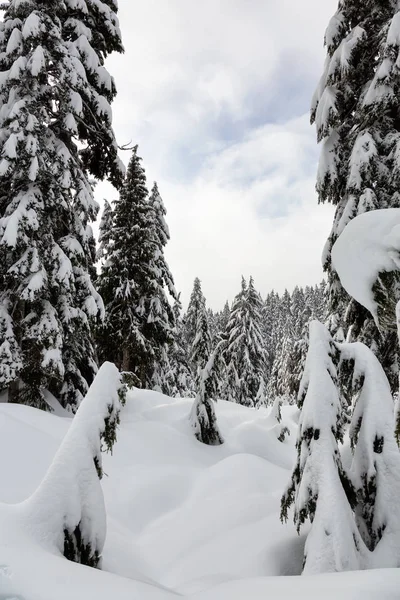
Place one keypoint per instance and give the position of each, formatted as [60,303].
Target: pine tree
[139,319]
[55,124]
[104,230]
[245,354]
[355,112]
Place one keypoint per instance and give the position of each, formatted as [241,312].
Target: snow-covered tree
[202,416]
[105,228]
[223,318]
[320,489]
[271,326]
[375,468]
[279,383]
[355,112]
[376,461]
[55,121]
[201,347]
[134,282]
[245,354]
[67,510]
[157,307]
[180,377]
[196,301]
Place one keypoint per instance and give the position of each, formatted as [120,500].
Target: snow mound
[182,518]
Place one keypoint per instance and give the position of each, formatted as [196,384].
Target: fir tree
[55,124]
[134,282]
[355,112]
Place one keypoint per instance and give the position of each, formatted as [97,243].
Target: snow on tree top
[368,245]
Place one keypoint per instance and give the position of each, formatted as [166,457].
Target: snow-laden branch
[365,252]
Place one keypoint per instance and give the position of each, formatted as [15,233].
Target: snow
[368,245]
[183,519]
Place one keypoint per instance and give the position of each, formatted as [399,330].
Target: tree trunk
[126,359]
[13,391]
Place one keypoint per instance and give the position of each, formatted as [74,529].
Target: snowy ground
[184,519]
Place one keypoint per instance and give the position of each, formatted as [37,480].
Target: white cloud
[222,227]
[199,87]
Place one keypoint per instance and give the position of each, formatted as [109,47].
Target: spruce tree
[356,116]
[134,281]
[55,132]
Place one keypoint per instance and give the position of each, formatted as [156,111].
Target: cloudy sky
[216,93]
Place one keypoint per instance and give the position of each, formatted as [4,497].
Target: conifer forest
[199,300]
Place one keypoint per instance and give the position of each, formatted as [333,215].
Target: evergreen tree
[139,318]
[180,376]
[201,348]
[55,131]
[245,354]
[104,230]
[376,460]
[371,488]
[202,416]
[356,116]
[279,383]
[271,323]
[320,489]
[223,318]
[196,301]
[213,325]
